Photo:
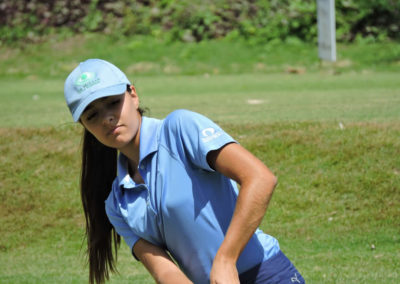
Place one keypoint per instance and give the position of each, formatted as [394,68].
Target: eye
[91,116]
[115,102]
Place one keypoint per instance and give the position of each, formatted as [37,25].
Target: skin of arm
[159,263]
[257,184]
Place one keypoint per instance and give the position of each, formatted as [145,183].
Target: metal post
[326,29]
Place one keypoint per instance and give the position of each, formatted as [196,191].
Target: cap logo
[85,81]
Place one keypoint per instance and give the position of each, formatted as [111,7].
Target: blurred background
[191,37]
[195,21]
[329,130]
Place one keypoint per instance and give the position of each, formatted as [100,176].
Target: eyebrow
[87,108]
[91,104]
[101,99]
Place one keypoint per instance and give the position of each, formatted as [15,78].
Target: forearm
[250,208]
[165,271]
[159,264]
[171,276]
[257,184]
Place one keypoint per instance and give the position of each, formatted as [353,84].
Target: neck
[131,151]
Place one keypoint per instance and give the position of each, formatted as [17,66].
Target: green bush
[197,20]
[374,19]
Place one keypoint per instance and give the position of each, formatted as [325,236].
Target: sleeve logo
[209,134]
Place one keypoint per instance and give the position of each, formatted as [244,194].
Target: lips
[114,130]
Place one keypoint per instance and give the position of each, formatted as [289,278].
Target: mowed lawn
[237,99]
[332,140]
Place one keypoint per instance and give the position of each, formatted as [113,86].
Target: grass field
[332,138]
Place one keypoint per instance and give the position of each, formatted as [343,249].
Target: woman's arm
[158,263]
[256,187]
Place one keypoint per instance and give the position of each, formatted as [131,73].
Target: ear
[133,91]
[134,96]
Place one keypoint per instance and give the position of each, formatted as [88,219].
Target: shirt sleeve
[118,222]
[195,136]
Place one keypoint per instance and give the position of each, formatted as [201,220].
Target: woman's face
[115,120]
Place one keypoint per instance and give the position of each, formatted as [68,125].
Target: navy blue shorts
[277,269]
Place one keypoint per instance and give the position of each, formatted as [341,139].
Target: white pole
[326,29]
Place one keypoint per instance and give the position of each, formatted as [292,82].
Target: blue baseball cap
[91,80]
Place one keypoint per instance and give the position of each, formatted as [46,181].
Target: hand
[224,272]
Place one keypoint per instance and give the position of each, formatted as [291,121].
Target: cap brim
[110,91]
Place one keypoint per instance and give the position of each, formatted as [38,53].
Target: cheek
[134,122]
[95,132]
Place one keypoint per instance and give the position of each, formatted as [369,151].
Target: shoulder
[181,115]
[182,119]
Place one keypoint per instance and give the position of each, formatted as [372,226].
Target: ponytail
[99,168]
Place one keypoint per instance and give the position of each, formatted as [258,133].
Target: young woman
[168,187]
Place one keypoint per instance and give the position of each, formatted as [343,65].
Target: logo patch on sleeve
[209,134]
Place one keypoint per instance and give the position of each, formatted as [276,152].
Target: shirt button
[142,167]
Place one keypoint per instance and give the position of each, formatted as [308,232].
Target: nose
[109,118]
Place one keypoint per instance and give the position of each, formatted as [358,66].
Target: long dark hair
[99,169]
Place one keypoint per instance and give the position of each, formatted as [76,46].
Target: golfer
[168,187]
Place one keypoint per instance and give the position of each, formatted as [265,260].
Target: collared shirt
[183,206]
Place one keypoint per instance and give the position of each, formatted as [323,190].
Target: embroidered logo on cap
[85,81]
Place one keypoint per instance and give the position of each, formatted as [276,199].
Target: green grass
[55,58]
[337,196]
[331,135]
[236,98]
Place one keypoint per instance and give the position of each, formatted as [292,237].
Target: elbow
[269,182]
[274,181]
[264,179]
[270,179]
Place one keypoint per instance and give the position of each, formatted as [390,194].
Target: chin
[120,143]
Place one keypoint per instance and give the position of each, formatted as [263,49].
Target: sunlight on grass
[330,132]
[311,97]
[337,196]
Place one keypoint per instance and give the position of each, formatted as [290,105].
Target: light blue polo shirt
[183,206]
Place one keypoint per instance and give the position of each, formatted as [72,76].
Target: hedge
[197,20]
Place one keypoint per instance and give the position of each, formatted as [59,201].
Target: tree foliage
[196,20]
